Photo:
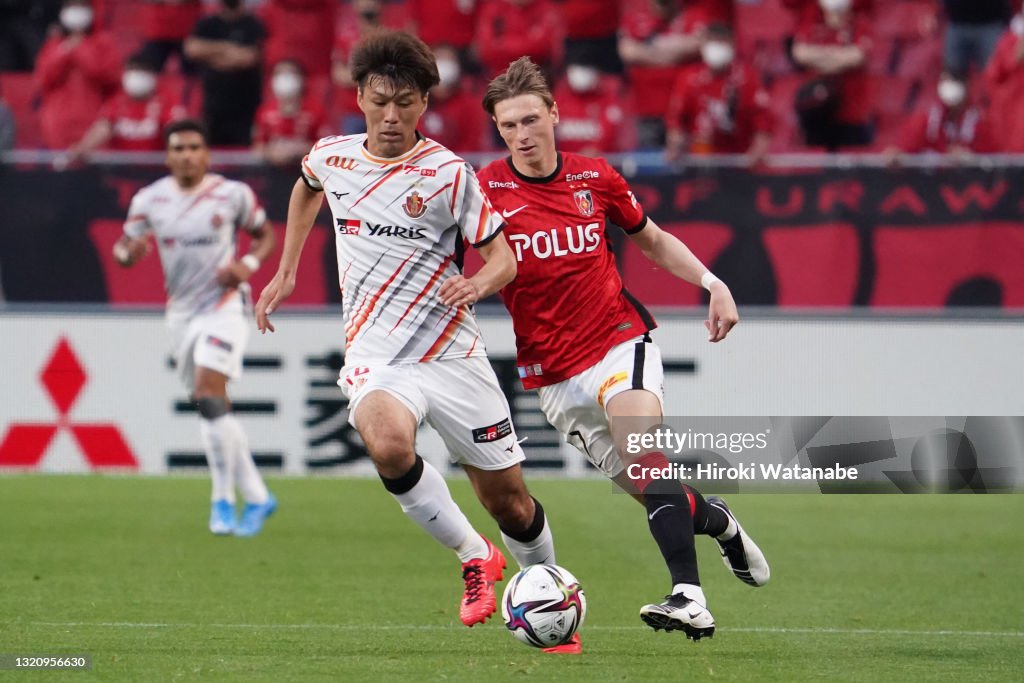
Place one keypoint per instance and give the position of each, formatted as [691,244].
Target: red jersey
[301,29]
[444,22]
[591,120]
[74,84]
[507,30]
[1004,77]
[651,85]
[169,19]
[137,125]
[719,112]
[591,18]
[305,125]
[455,122]
[568,304]
[856,93]
[938,130]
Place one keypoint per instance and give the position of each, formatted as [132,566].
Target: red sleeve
[1003,62]
[763,117]
[985,141]
[52,65]
[862,34]
[100,61]
[623,208]
[914,137]
[676,113]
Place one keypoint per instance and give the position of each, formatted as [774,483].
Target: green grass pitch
[341,587]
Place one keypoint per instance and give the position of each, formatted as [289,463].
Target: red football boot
[480,575]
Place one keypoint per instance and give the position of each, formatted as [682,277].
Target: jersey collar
[420,140]
[531,179]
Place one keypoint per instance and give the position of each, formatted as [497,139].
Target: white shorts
[458,397]
[576,406]
[213,340]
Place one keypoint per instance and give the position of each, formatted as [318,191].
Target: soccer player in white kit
[403,206]
[194,216]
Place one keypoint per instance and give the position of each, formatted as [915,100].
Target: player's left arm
[253,219]
[498,270]
[670,253]
[482,227]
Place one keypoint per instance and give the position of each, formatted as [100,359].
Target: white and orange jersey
[195,235]
[400,226]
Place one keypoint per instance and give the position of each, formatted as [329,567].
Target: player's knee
[391,453]
[212,407]
[512,510]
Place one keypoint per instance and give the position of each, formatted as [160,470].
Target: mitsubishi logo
[25,443]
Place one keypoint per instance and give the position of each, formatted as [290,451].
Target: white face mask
[582,78]
[76,18]
[138,84]
[952,93]
[286,86]
[834,5]
[449,72]
[717,55]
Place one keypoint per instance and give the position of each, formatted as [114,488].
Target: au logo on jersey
[414,206]
[584,202]
[344,163]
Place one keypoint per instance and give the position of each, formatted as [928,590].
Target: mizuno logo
[339,195]
[513,212]
[651,516]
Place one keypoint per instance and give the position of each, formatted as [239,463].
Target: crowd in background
[683,76]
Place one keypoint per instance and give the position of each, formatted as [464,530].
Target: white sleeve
[251,215]
[137,223]
[473,212]
[309,176]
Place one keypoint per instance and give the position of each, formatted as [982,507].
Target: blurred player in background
[402,206]
[584,342]
[194,216]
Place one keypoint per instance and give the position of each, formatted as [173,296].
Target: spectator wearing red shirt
[591,118]
[1004,79]
[447,22]
[655,42]
[288,123]
[807,11]
[77,70]
[301,30]
[591,33]
[836,104]
[719,107]
[165,25]
[509,29]
[952,125]
[362,17]
[452,116]
[133,120]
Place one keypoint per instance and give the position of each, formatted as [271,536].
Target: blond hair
[522,77]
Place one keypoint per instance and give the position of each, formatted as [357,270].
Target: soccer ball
[543,605]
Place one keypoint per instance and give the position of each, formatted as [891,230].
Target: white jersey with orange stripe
[195,235]
[400,225]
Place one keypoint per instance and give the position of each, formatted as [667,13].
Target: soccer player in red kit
[584,342]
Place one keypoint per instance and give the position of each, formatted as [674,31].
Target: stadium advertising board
[839,237]
[97,393]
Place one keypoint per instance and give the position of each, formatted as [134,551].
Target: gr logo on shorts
[498,430]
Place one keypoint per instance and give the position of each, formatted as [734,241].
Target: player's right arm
[133,244]
[303,207]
